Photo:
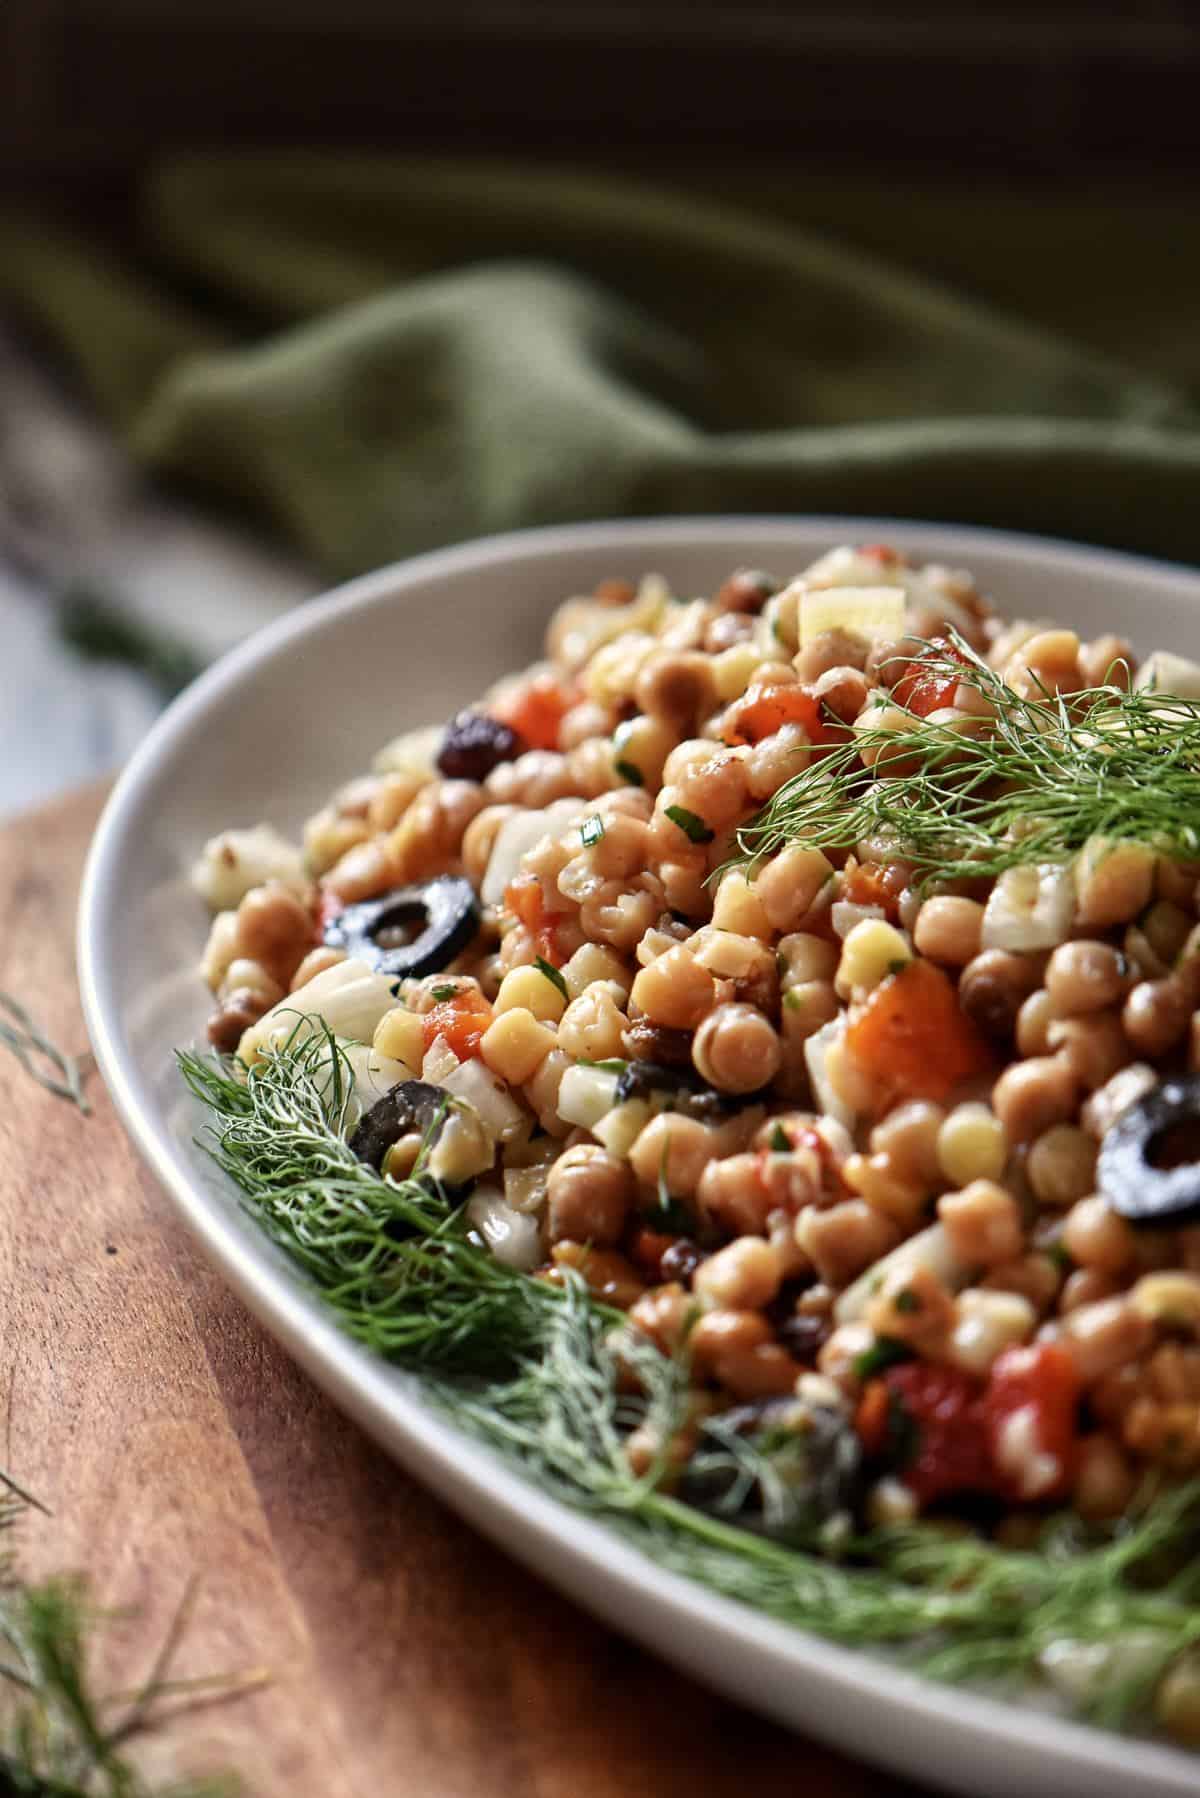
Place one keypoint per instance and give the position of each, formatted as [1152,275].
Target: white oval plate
[266,734]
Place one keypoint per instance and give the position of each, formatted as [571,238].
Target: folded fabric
[376,357]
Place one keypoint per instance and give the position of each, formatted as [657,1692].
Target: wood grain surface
[172,1439]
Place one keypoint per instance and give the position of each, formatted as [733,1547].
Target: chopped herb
[792,1000]
[552,975]
[630,772]
[614,1065]
[908,1301]
[60,1073]
[671,1218]
[898,966]
[1060,1254]
[884,1352]
[592,830]
[780,1140]
[444,992]
[694,828]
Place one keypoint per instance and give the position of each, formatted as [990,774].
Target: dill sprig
[536,1371]
[1037,779]
[58,1737]
[44,1061]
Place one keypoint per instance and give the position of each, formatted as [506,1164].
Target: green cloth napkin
[376,356]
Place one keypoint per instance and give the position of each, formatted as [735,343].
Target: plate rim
[503,1503]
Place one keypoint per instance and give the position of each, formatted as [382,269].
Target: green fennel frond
[538,1372]
[1036,779]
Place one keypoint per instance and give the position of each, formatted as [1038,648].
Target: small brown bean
[1156,1015]
[589,1193]
[993,986]
[1062,1165]
[1030,1096]
[1085,976]
[676,685]
[236,1013]
[1095,1236]
[948,930]
[830,649]
[737,1049]
[1094,1048]
[1033,1024]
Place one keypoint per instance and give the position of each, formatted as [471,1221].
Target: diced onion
[231,864]
[844,914]
[1029,908]
[501,1114]
[929,1251]
[516,835]
[511,1237]
[374,1075]
[349,997]
[1164,672]
[585,1095]
[816,1051]
[874,612]
[1083,1671]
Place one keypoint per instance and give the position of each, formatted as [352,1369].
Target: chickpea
[718,790]
[994,985]
[674,990]
[732,1194]
[1094,1048]
[1177,1700]
[948,930]
[621,850]
[735,1348]
[618,917]
[913,1306]
[746,590]
[775,759]
[738,907]
[983,1223]
[1033,1024]
[1030,1096]
[245,975]
[1046,663]
[391,798]
[585,722]
[591,1027]
[743,1276]
[736,1049]
[327,838]
[1113,882]
[676,685]
[880,756]
[673,1150]
[664,1315]
[429,836]
[589,1193]
[787,887]
[1083,977]
[1062,1165]
[1095,1236]
[607,1273]
[831,649]
[908,1136]
[314,963]
[1156,1015]
[841,691]
[1124,1089]
[236,1013]
[365,870]
[845,1240]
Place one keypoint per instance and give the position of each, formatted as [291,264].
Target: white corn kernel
[971,1145]
[873,950]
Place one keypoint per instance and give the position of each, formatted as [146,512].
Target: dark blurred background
[90,88]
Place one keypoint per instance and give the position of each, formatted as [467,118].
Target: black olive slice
[474,744]
[1149,1166]
[445,911]
[413,1107]
[682,1088]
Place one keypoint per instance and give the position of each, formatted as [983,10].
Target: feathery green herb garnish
[58,1738]
[50,1066]
[537,1371]
[1032,784]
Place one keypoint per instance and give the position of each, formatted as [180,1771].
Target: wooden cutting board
[173,1441]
